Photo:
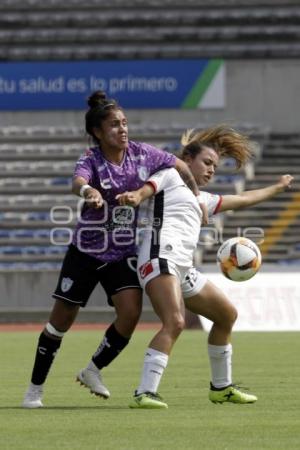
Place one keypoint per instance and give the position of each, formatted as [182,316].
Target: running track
[13,327]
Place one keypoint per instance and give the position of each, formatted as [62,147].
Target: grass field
[269,363]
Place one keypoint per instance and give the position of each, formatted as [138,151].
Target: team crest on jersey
[143,173]
[145,269]
[66,284]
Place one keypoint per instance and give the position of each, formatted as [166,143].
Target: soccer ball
[239,258]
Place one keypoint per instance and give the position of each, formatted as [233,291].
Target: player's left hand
[129,199]
[286,181]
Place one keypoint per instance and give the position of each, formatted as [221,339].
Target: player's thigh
[212,303]
[77,279]
[120,276]
[166,298]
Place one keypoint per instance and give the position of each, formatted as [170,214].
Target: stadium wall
[269,301]
[258,92]
[27,297]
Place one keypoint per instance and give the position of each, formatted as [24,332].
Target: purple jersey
[108,233]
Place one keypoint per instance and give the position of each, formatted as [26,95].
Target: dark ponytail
[99,109]
[97,99]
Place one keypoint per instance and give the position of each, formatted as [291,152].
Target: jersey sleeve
[83,168]
[163,179]
[212,202]
[157,159]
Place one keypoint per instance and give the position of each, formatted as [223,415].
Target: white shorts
[191,280]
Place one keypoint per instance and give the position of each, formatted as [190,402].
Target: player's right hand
[93,198]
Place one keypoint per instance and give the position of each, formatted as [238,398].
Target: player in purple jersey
[167,279]
[103,248]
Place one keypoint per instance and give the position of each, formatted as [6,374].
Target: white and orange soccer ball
[239,258]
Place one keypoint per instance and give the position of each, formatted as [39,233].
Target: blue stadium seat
[23,233]
[30,266]
[61,181]
[10,250]
[5,234]
[38,216]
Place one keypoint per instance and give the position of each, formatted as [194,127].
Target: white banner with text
[267,302]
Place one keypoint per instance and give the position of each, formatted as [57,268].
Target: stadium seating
[152,29]
[40,161]
[36,162]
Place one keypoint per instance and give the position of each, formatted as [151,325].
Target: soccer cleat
[33,397]
[93,381]
[148,400]
[230,394]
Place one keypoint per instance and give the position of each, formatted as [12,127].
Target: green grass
[269,363]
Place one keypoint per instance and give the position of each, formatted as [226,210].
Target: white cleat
[33,397]
[92,380]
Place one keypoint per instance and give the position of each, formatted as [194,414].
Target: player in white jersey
[165,266]
[172,221]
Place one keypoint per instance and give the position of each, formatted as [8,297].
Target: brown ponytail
[226,142]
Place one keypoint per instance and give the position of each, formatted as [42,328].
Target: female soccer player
[166,257]
[103,243]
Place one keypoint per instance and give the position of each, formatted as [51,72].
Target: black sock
[45,354]
[112,344]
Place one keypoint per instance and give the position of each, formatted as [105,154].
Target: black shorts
[81,272]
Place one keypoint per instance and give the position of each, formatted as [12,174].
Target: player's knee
[180,324]
[227,318]
[127,320]
[230,316]
[136,313]
[233,314]
[177,325]
[130,313]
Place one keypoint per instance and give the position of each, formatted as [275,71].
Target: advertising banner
[266,302]
[135,84]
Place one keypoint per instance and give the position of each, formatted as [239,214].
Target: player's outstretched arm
[134,198]
[92,197]
[249,198]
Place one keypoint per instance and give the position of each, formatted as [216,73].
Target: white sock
[155,363]
[220,363]
[92,366]
[34,387]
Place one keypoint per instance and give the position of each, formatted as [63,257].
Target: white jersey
[172,219]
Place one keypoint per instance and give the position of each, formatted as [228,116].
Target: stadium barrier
[268,302]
